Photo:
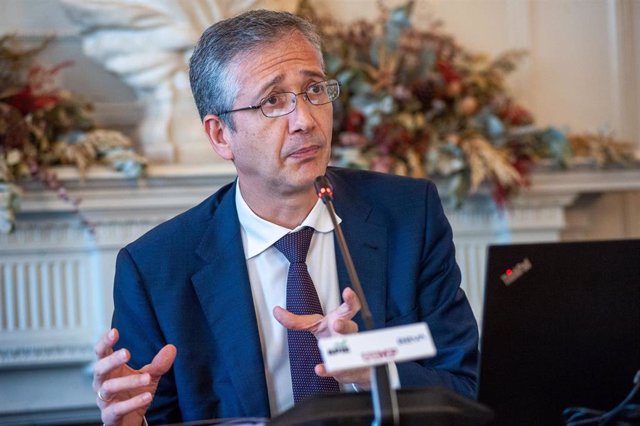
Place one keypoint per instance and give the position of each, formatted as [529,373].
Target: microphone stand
[384,397]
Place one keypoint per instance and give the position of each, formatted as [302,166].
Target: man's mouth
[305,152]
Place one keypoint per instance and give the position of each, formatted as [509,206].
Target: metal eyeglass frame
[292,98]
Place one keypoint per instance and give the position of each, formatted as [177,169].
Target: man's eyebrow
[314,74]
[280,77]
[277,79]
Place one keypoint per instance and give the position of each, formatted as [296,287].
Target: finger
[102,400]
[341,326]
[339,320]
[296,322]
[104,346]
[321,371]
[359,376]
[162,362]
[113,412]
[350,305]
[110,388]
[103,368]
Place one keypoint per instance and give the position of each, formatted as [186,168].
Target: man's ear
[218,133]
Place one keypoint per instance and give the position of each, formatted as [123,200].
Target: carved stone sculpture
[147,43]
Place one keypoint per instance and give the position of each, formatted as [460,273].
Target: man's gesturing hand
[336,322]
[124,394]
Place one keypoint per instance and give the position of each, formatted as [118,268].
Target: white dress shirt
[268,270]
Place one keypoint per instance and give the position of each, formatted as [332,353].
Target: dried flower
[42,125]
[415,101]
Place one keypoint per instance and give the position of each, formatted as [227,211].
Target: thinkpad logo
[512,274]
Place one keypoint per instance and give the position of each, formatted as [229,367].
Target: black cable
[577,416]
[613,413]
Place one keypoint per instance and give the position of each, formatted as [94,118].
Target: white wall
[582,74]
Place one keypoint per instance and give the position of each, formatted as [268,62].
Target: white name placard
[376,347]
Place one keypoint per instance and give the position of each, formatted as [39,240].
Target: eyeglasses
[279,104]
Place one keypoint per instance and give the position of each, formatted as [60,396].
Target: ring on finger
[102,398]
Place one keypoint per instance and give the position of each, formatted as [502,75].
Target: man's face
[282,155]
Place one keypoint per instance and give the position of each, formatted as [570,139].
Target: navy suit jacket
[186,283]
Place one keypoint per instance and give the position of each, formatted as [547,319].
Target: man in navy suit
[199,322]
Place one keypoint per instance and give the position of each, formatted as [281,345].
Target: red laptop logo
[512,274]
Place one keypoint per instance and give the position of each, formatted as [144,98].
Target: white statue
[148,43]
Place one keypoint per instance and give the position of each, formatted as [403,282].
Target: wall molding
[18,356]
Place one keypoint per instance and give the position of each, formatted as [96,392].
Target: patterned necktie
[302,299]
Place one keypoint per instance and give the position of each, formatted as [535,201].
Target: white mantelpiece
[56,278]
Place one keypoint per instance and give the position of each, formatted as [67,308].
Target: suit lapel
[367,244]
[224,292]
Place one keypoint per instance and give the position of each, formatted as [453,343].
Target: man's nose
[302,116]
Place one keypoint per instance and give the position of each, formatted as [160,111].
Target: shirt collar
[262,234]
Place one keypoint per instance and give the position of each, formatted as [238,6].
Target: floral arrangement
[42,125]
[415,102]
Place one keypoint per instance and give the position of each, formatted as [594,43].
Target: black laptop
[561,328]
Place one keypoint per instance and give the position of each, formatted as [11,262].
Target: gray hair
[213,85]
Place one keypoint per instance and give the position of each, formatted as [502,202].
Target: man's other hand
[337,322]
[124,394]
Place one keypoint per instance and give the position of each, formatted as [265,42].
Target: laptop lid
[561,328]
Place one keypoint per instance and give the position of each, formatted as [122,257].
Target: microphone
[324,190]
[384,398]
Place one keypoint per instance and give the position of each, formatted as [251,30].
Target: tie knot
[295,245]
